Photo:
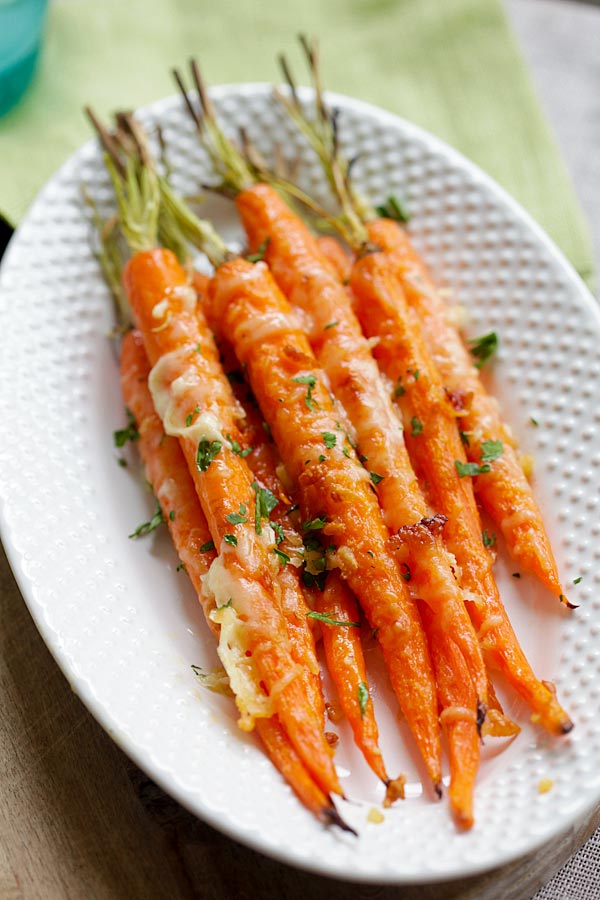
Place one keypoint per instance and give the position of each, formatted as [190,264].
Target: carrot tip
[330,816]
[437,787]
[566,727]
[481,714]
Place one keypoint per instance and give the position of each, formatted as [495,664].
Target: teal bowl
[21,28]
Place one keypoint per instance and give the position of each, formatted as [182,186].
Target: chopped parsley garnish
[310,381]
[279,533]
[267,429]
[190,417]
[322,457]
[329,620]
[534,421]
[363,698]
[181,568]
[198,349]
[331,325]
[236,519]
[464,436]
[260,253]
[491,450]
[471,469]
[415,374]
[311,580]
[225,605]
[122,462]
[416,427]
[375,478]
[399,390]
[230,539]
[489,539]
[314,524]
[265,504]
[207,450]
[329,439]
[371,554]
[235,448]
[578,579]
[283,557]
[146,527]
[406,573]
[209,545]
[483,347]
[172,515]
[393,208]
[346,452]
[129,433]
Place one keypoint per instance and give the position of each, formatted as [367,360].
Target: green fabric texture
[451,66]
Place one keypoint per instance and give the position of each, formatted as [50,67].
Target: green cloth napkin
[451,66]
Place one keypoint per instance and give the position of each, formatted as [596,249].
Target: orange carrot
[437,453]
[456,693]
[193,399]
[289,387]
[343,352]
[339,258]
[505,493]
[346,662]
[168,474]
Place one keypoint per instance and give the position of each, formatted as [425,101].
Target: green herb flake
[225,605]
[265,504]
[198,349]
[267,429]
[209,545]
[346,452]
[172,515]
[464,436]
[310,580]
[483,347]
[329,439]
[190,418]
[236,519]
[147,527]
[310,381]
[534,421]
[314,524]
[181,568]
[283,557]
[471,469]
[329,620]
[363,698]
[322,457]
[236,448]
[230,539]
[406,573]
[399,390]
[375,478]
[489,539]
[260,253]
[129,433]
[331,325]
[578,579]
[207,450]
[122,462]
[371,554]
[491,450]
[395,209]
[416,427]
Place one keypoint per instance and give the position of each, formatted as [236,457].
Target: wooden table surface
[79,821]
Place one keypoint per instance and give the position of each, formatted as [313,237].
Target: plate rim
[81,685]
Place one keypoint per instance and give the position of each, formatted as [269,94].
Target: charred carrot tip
[437,787]
[566,727]
[330,816]
[481,714]
[566,602]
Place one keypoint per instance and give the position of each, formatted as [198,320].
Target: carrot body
[188,385]
[173,486]
[346,662]
[289,387]
[505,493]
[344,354]
[339,257]
[434,449]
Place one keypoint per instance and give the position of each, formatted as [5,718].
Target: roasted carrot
[168,474]
[437,453]
[456,693]
[346,663]
[504,492]
[344,354]
[339,257]
[290,389]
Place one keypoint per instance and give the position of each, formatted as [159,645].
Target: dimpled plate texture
[124,625]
